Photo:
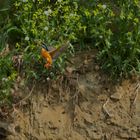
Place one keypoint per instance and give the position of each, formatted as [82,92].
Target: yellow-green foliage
[114,29]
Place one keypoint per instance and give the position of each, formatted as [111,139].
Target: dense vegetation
[112,27]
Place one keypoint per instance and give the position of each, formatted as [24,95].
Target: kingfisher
[50,55]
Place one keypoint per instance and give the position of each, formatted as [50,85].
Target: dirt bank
[81,105]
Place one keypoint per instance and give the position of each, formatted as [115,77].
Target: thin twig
[26,96]
[105,109]
[136,91]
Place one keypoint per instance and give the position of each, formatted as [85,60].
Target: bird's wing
[58,51]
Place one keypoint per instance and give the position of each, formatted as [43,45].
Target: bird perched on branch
[50,55]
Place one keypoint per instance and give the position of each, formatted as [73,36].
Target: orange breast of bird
[45,54]
[49,56]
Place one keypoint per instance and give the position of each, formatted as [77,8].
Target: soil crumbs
[81,105]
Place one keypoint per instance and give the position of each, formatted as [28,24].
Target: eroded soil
[81,105]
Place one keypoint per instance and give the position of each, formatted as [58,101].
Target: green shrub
[114,29]
[7,78]
[7,71]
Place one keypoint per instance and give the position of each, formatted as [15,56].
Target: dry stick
[15,110]
[105,109]
[26,96]
[136,91]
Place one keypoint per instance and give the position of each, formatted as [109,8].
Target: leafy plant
[114,29]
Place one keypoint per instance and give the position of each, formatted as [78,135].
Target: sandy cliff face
[82,105]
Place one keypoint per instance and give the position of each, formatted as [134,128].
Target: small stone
[116,96]
[54,86]
[48,78]
[86,62]
[95,135]
[69,70]
[102,97]
[97,67]
[12,91]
